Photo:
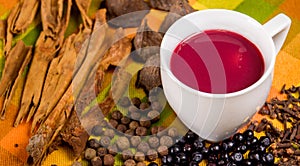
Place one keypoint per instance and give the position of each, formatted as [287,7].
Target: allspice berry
[109,132]
[136,101]
[141,131]
[101,151]
[127,154]
[125,120]
[153,115]
[93,143]
[114,123]
[130,132]
[153,142]
[122,128]
[166,140]
[154,130]
[97,130]
[129,162]
[162,150]
[135,115]
[96,161]
[144,106]
[117,115]
[133,125]
[140,164]
[104,141]
[123,143]
[145,122]
[161,131]
[152,154]
[156,106]
[124,101]
[132,108]
[108,160]
[172,132]
[139,156]
[135,140]
[143,147]
[112,149]
[89,153]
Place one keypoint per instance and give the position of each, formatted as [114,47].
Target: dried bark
[120,84]
[47,46]
[146,42]
[164,4]
[83,6]
[123,13]
[178,10]
[16,61]
[19,19]
[149,75]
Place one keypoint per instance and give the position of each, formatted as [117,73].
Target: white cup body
[216,116]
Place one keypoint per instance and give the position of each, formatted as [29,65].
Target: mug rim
[266,74]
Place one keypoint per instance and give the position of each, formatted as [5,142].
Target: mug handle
[278,28]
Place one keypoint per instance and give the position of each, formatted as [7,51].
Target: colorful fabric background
[13,141]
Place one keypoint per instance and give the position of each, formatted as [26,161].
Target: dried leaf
[83,6]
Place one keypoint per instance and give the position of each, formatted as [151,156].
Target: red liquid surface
[217,61]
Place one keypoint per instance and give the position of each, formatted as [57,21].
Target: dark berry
[228,145]
[214,148]
[254,156]
[167,159]
[265,141]
[252,143]
[268,158]
[237,157]
[260,148]
[181,158]
[187,148]
[193,163]
[197,157]
[198,144]
[231,163]
[152,164]
[242,149]
[238,137]
[180,140]
[205,151]
[248,134]
[190,136]
[175,149]
[212,158]
[224,156]
[247,162]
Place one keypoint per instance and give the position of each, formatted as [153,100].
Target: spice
[109,160]
[112,149]
[166,140]
[133,125]
[123,143]
[122,128]
[124,102]
[140,164]
[89,153]
[154,130]
[135,140]
[117,115]
[125,120]
[97,130]
[135,115]
[109,132]
[162,150]
[129,132]
[101,151]
[93,143]
[139,156]
[114,123]
[153,115]
[156,106]
[172,132]
[132,108]
[129,162]
[145,122]
[143,147]
[152,154]
[141,131]
[153,142]
[104,141]
[144,106]
[136,101]
[127,154]
[96,161]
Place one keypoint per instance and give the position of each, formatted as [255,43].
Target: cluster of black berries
[242,149]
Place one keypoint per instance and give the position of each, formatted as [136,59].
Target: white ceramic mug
[215,117]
